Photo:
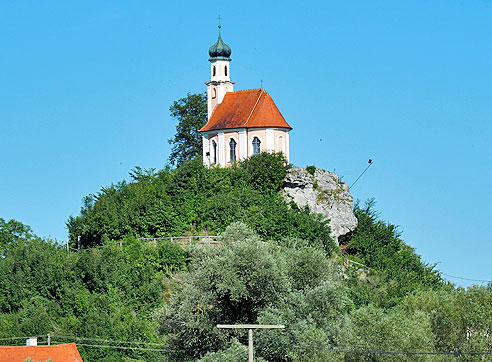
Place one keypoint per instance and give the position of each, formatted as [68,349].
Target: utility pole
[250,328]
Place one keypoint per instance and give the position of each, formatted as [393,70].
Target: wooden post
[250,345]
[250,328]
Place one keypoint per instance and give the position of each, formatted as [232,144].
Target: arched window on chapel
[256,146]
[281,144]
[232,150]
[214,146]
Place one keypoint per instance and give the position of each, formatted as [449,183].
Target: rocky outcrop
[323,193]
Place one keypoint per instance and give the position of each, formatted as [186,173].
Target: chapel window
[214,93]
[214,146]
[232,149]
[256,146]
[225,70]
[281,144]
[213,71]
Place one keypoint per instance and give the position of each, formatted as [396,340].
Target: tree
[460,319]
[247,280]
[191,114]
[265,171]
[13,233]
[395,330]
[193,199]
[110,292]
[396,269]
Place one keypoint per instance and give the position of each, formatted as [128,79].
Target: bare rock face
[325,194]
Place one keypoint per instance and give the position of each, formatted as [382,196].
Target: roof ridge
[246,108]
[39,346]
[254,107]
[247,90]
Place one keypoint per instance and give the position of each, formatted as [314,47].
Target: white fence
[186,240]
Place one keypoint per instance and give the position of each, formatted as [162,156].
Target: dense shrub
[107,293]
[251,281]
[192,199]
[265,171]
[396,270]
[311,170]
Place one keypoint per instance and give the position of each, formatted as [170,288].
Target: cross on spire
[219,19]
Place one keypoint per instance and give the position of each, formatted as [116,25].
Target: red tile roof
[57,353]
[246,108]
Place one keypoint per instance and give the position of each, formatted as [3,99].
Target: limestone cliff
[325,194]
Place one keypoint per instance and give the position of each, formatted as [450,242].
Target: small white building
[241,123]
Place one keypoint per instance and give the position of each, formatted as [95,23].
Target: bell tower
[220,74]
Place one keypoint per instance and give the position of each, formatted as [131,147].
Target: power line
[367,351]
[362,350]
[472,280]
[121,347]
[12,338]
[106,340]
[363,172]
[316,345]
[309,346]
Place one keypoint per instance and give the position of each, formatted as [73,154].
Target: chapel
[239,123]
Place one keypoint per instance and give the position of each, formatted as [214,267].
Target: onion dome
[220,50]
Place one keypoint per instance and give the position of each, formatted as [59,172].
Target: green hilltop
[125,286]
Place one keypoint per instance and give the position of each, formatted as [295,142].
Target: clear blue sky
[85,90]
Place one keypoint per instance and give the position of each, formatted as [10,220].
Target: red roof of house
[246,108]
[57,353]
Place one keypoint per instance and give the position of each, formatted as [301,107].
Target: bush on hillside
[192,199]
[106,293]
[396,270]
[255,282]
[265,171]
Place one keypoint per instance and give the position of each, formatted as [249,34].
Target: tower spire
[219,50]
[220,81]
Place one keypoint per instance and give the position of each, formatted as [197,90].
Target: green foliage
[392,330]
[460,319]
[36,266]
[235,352]
[193,199]
[272,268]
[265,171]
[251,281]
[311,170]
[151,292]
[13,233]
[191,114]
[108,293]
[396,270]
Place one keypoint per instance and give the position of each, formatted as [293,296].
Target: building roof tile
[246,109]
[57,353]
